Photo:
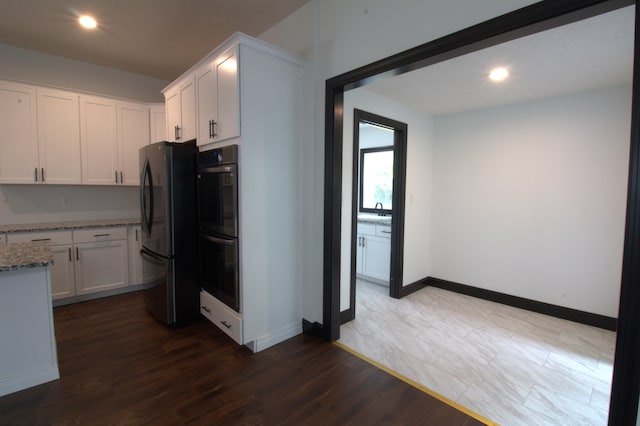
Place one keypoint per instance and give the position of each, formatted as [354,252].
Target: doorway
[377,204]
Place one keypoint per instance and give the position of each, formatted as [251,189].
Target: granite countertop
[54,226]
[25,255]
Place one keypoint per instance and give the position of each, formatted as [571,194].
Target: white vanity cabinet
[180,103]
[19,144]
[373,254]
[62,269]
[101,259]
[218,98]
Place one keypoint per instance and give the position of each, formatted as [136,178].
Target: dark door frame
[528,20]
[398,199]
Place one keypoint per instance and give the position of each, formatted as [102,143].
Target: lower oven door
[219,268]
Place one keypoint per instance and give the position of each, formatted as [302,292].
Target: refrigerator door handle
[147,216]
[227,242]
[144,252]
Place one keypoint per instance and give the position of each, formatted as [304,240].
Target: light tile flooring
[510,365]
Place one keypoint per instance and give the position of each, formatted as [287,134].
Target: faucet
[380,213]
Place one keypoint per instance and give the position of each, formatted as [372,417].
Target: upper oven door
[218,199]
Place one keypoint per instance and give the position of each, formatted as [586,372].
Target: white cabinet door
[228,124]
[174,120]
[135,259]
[188,110]
[219,99]
[101,266]
[62,272]
[98,141]
[58,137]
[376,258]
[207,104]
[19,142]
[133,134]
[157,123]
[181,111]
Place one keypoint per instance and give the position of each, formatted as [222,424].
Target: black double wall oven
[218,224]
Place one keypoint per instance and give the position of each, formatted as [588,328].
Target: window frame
[364,151]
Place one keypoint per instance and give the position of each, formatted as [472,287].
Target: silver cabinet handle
[116,174]
[101,235]
[363,241]
[42,173]
[137,235]
[41,239]
[36,174]
[176,130]
[121,180]
[206,309]
[386,232]
[226,324]
[77,254]
[70,259]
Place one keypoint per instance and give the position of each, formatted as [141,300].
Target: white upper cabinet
[111,134]
[19,144]
[133,134]
[181,110]
[218,98]
[58,137]
[157,123]
[98,141]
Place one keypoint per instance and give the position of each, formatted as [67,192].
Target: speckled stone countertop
[54,226]
[25,255]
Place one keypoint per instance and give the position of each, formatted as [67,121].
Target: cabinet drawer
[56,237]
[383,231]
[366,228]
[222,316]
[99,234]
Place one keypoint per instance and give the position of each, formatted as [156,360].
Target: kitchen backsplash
[52,203]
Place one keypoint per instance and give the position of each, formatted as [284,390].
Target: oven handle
[218,169]
[219,240]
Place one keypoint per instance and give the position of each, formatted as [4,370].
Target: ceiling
[586,55]
[157,38]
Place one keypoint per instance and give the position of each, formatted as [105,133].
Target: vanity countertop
[25,255]
[56,226]
[374,219]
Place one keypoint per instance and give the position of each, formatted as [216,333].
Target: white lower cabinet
[373,255]
[138,275]
[101,259]
[62,270]
[221,315]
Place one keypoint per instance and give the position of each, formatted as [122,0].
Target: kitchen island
[28,354]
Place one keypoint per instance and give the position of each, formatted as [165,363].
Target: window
[376,179]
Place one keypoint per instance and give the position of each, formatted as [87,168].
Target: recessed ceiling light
[498,74]
[87,22]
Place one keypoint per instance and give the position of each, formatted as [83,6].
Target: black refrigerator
[169,231]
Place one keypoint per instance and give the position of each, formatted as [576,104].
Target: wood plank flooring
[120,366]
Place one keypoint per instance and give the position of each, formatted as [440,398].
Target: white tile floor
[510,365]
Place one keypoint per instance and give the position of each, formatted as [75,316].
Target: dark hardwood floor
[120,366]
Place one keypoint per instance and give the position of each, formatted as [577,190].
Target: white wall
[55,203]
[344,36]
[418,189]
[530,199]
[34,67]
